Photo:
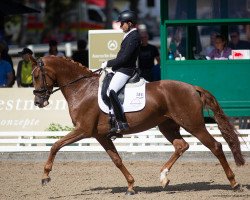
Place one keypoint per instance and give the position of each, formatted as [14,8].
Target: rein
[44,90]
[74,81]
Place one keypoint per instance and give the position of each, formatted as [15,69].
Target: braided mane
[80,65]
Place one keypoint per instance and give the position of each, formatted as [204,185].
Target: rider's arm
[126,53]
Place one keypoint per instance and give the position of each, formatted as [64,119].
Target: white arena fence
[147,141]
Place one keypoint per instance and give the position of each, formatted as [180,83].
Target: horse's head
[43,81]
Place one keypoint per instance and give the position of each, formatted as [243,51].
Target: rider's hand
[104,65]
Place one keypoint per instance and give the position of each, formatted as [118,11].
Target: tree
[54,13]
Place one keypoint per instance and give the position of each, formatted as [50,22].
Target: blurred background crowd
[60,27]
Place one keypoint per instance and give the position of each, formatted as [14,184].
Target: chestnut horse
[169,105]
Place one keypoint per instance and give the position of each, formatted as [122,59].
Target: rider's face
[125,26]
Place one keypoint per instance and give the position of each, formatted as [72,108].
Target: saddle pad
[134,99]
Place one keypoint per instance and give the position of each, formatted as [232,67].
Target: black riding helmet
[127,16]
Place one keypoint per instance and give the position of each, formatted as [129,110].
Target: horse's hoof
[130,192]
[238,188]
[165,183]
[45,181]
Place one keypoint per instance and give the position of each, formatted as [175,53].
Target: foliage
[58,127]
[54,11]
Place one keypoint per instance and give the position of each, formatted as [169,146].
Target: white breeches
[117,82]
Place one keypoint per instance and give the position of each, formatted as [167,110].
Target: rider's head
[128,20]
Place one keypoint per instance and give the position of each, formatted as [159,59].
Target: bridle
[44,92]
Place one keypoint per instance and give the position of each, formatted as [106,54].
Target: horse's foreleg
[171,131]
[73,136]
[109,147]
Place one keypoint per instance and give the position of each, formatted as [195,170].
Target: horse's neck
[75,81]
[67,74]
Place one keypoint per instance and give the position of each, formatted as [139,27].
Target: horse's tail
[228,131]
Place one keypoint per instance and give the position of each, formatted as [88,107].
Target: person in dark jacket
[236,42]
[124,66]
[82,54]
[147,57]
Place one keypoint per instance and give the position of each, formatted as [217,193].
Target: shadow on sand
[171,189]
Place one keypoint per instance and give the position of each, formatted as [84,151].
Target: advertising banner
[103,45]
[18,112]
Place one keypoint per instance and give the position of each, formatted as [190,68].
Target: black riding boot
[121,122]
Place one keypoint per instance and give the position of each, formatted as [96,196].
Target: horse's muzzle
[41,102]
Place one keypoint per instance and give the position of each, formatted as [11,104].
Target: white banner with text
[103,45]
[18,112]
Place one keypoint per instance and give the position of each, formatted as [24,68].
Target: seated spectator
[24,69]
[6,73]
[221,50]
[82,54]
[208,49]
[178,42]
[236,42]
[53,49]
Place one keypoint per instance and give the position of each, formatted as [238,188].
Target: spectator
[208,49]
[24,69]
[236,42]
[178,42]
[147,56]
[5,56]
[6,73]
[221,50]
[53,49]
[81,55]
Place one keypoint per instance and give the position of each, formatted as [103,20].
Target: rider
[124,66]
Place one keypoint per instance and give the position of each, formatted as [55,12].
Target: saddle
[105,85]
[131,96]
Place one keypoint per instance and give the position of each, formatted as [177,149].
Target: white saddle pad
[134,97]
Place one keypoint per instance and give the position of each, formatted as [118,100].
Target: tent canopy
[11,7]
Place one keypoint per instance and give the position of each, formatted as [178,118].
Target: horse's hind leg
[73,136]
[109,147]
[171,131]
[216,148]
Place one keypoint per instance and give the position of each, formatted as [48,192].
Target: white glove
[104,65]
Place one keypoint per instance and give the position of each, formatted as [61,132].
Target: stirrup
[114,135]
[115,131]
[119,127]
[122,126]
